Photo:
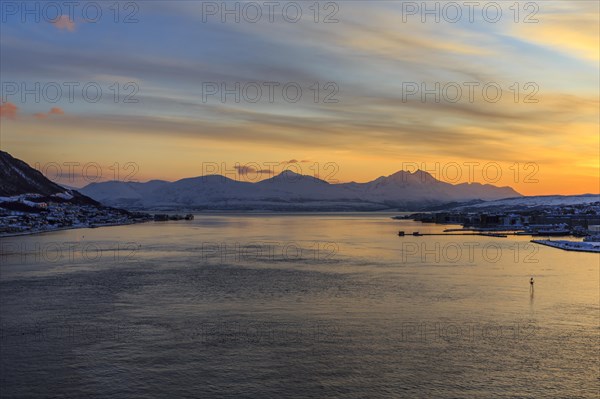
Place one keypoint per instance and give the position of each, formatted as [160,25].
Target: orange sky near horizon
[136,160]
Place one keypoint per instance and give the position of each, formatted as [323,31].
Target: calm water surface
[273,306]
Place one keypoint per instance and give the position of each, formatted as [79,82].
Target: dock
[577,246]
[417,234]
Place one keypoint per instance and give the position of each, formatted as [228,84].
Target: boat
[552,232]
[594,238]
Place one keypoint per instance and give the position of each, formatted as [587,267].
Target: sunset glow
[376,55]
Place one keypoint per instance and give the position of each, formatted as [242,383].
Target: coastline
[566,245]
[32,232]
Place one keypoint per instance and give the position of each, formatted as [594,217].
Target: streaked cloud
[370,55]
[571,28]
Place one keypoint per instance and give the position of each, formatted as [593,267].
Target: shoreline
[33,232]
[567,245]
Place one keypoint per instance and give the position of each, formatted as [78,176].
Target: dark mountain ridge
[290,191]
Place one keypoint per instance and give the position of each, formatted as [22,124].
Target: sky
[504,92]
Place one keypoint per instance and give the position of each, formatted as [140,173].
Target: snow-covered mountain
[18,181]
[291,191]
[532,202]
[31,203]
[16,178]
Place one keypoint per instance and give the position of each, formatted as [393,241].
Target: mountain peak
[422,173]
[288,177]
[289,173]
[405,175]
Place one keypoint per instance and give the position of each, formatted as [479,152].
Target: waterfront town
[574,218]
[542,222]
[32,213]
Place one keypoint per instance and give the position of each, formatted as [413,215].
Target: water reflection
[269,305]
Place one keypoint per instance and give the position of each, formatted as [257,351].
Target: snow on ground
[543,200]
[567,245]
[66,195]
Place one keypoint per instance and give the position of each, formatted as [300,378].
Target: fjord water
[283,305]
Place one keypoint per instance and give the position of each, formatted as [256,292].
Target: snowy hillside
[291,191]
[534,202]
[19,181]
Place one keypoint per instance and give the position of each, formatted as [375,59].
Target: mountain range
[287,191]
[290,191]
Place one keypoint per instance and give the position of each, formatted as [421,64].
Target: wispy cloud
[53,111]
[369,54]
[64,22]
[8,110]
[568,28]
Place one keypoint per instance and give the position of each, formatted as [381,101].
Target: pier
[578,246]
[417,234]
